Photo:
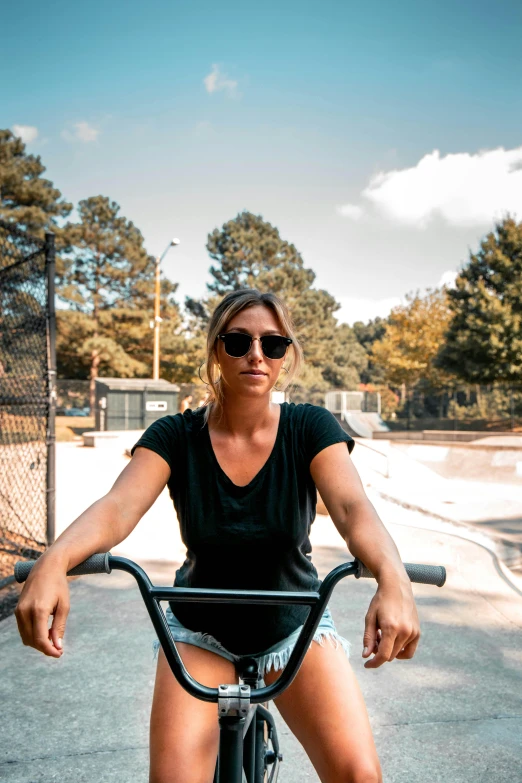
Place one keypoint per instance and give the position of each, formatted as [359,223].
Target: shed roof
[138,384]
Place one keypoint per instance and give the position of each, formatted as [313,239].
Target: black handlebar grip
[96,564]
[426,574]
[423,574]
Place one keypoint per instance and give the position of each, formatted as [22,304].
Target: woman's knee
[367,771]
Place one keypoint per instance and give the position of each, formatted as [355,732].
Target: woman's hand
[45,593]
[392,624]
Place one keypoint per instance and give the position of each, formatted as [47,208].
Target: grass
[23,429]
[71,427]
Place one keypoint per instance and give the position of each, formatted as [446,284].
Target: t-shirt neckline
[238,488]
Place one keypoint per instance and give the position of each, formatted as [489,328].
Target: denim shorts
[276,657]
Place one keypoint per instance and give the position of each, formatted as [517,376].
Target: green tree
[484,339]
[107,285]
[26,198]
[367,334]
[412,339]
[249,252]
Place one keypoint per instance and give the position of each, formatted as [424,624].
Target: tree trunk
[403,393]
[477,392]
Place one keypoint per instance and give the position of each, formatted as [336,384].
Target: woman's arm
[392,624]
[103,525]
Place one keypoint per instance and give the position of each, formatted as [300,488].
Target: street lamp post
[157,319]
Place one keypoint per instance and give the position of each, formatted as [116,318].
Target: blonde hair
[230,306]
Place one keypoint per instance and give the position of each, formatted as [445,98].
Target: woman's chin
[253,389]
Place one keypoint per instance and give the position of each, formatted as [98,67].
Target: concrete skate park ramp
[482,460]
[358,412]
[361,425]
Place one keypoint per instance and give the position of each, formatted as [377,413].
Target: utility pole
[157,318]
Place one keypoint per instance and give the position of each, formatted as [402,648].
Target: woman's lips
[254,373]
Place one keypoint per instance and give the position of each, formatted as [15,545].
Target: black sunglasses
[238,344]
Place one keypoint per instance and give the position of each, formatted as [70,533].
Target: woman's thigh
[184,734]
[325,709]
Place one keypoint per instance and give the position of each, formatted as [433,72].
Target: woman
[243,474]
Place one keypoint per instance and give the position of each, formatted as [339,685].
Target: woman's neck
[240,416]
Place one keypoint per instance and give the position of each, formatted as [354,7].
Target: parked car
[76,412]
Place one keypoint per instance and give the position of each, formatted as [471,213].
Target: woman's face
[252,375]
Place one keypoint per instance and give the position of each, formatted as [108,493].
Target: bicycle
[249,750]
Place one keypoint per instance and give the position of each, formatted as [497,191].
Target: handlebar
[152,595]
[101,564]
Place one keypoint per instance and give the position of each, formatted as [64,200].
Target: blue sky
[323,117]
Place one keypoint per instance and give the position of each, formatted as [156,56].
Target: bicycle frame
[240,707]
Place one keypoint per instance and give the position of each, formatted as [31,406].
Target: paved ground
[454,713]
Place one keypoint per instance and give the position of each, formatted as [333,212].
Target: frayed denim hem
[278,660]
[275,658]
[199,639]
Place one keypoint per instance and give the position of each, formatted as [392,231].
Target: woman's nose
[256,351]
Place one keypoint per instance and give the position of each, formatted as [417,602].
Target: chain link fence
[27,371]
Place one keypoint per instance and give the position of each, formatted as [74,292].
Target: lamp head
[174,241]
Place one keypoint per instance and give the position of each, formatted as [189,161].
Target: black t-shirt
[254,537]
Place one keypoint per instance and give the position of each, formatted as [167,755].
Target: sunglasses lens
[237,345]
[274,346]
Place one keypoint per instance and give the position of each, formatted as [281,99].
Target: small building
[133,403]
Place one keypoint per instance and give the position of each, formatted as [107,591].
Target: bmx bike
[249,750]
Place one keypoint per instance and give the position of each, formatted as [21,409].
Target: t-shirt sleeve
[322,430]
[162,437]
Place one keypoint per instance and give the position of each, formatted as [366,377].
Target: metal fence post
[50,265]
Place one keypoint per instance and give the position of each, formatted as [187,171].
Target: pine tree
[484,339]
[26,198]
[107,285]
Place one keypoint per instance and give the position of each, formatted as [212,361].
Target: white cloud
[352,211]
[463,189]
[27,133]
[83,132]
[355,308]
[217,80]
[448,279]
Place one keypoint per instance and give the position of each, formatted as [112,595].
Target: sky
[382,139]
